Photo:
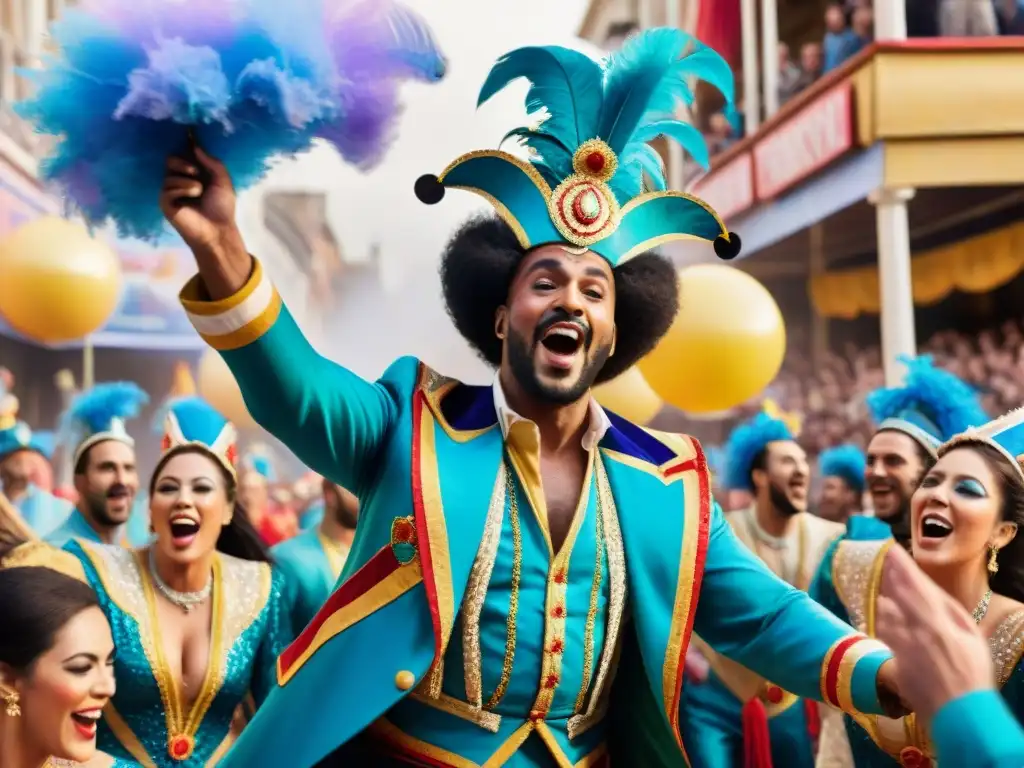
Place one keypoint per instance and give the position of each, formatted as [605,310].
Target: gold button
[405,680]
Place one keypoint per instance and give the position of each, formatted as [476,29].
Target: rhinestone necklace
[187,601]
[982,608]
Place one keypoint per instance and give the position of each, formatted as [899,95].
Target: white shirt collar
[598,424]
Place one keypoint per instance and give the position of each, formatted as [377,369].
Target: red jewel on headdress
[595,162]
[231,454]
[165,444]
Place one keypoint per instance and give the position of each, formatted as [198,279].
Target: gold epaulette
[42,555]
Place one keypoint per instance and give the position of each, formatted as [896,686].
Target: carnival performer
[312,561]
[103,457]
[532,512]
[964,521]
[39,510]
[842,471]
[272,521]
[56,654]
[737,718]
[198,616]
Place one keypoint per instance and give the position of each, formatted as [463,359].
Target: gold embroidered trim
[579,724]
[1007,646]
[489,721]
[476,591]
[595,595]
[851,576]
[182,723]
[513,601]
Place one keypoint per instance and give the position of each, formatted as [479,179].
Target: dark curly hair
[480,261]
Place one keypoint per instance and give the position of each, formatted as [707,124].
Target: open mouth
[935,526]
[183,530]
[86,721]
[563,341]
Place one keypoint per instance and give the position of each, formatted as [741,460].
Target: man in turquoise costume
[528,567]
[38,510]
[103,456]
[312,560]
[738,718]
[842,469]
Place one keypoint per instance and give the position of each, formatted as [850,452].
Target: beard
[781,501]
[97,506]
[345,517]
[520,360]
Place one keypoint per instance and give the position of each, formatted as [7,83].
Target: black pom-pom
[429,190]
[726,249]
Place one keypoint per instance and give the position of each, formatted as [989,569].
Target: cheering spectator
[789,75]
[840,41]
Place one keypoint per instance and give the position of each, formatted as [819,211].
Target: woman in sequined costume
[965,518]
[56,653]
[197,616]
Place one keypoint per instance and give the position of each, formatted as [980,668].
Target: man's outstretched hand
[198,199]
[940,654]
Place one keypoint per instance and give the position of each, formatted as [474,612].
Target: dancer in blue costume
[964,525]
[37,511]
[842,471]
[912,421]
[103,456]
[528,598]
[738,718]
[199,616]
[313,560]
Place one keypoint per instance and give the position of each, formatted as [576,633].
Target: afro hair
[745,443]
[478,266]
[847,462]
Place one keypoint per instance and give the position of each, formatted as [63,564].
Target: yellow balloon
[630,396]
[725,345]
[56,282]
[218,387]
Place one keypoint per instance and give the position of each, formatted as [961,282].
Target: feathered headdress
[585,183]
[846,462]
[932,406]
[100,414]
[248,80]
[745,442]
[1005,434]
[192,422]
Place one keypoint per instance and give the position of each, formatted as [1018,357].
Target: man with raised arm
[528,568]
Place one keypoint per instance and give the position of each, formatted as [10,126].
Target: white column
[894,277]
[673,18]
[644,8]
[890,20]
[751,82]
[770,55]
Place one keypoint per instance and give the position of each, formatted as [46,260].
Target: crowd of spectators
[830,396]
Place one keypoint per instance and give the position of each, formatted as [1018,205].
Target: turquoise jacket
[308,574]
[75,527]
[978,730]
[146,720]
[423,454]
[848,584]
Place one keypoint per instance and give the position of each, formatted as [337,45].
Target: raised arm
[330,418]
[751,616]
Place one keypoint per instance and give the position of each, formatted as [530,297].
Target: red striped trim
[703,532]
[832,671]
[682,466]
[422,534]
[374,571]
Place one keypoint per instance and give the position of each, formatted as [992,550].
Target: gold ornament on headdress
[794,421]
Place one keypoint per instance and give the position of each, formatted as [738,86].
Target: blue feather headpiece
[1005,434]
[846,462]
[258,460]
[191,422]
[745,442]
[100,414]
[932,406]
[248,80]
[584,184]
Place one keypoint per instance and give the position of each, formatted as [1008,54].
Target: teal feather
[641,159]
[566,83]
[553,160]
[684,134]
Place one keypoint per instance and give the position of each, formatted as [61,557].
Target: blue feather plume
[743,445]
[846,462]
[628,101]
[943,399]
[96,409]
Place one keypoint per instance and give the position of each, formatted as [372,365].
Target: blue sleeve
[332,419]
[748,614]
[978,730]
